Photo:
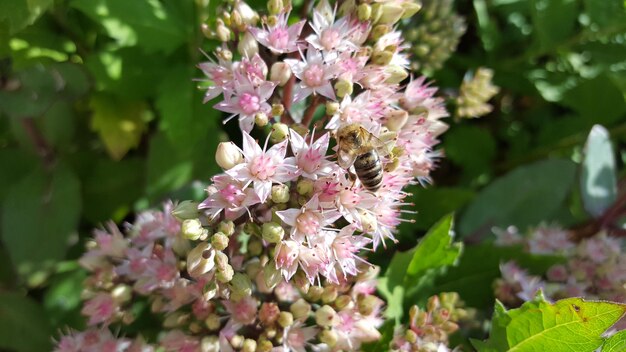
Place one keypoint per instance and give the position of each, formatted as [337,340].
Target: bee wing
[345,159]
[383,148]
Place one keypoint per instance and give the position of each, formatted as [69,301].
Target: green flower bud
[280,73]
[122,293]
[271,275]
[364,12]
[300,309]
[280,194]
[248,46]
[332,107]
[225,275]
[273,232]
[410,336]
[382,58]
[219,241]
[379,31]
[241,285]
[210,344]
[274,7]
[329,337]
[212,322]
[192,229]
[278,109]
[343,301]
[305,187]
[396,73]
[255,247]
[410,9]
[326,317]
[249,345]
[221,260]
[279,133]
[186,210]
[175,319]
[343,88]
[200,260]
[390,14]
[261,119]
[228,155]
[222,32]
[264,346]
[367,304]
[285,319]
[248,15]
[237,341]
[330,294]
[226,227]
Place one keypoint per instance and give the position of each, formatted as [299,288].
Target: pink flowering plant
[275,258]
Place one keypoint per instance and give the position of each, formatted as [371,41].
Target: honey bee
[357,146]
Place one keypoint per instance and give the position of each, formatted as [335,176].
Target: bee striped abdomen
[369,169]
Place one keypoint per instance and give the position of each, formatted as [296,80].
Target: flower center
[349,198]
[310,161]
[330,38]
[262,167]
[232,194]
[308,223]
[314,75]
[249,103]
[279,38]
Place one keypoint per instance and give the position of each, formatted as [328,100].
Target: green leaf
[62,300]
[606,12]
[38,216]
[526,196]
[479,266]
[17,14]
[23,324]
[15,164]
[598,178]
[553,20]
[119,123]
[112,187]
[382,344]
[571,324]
[184,119]
[411,270]
[604,108]
[471,147]
[615,343]
[431,204]
[168,168]
[149,24]
[435,250]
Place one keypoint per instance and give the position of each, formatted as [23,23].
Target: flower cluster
[428,329]
[475,92]
[595,268]
[273,258]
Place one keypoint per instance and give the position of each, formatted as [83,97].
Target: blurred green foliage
[100,117]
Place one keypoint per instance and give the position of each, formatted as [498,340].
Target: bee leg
[352,176]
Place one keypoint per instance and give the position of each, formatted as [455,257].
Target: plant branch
[310,110]
[43,149]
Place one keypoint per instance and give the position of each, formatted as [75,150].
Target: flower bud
[236,20]
[273,232]
[212,322]
[300,309]
[285,319]
[280,194]
[192,229]
[206,31]
[274,7]
[330,294]
[410,336]
[261,119]
[200,260]
[248,46]
[249,345]
[279,133]
[186,210]
[433,303]
[226,274]
[367,304]
[364,12]
[175,319]
[271,275]
[329,337]
[390,13]
[396,119]
[228,155]
[226,227]
[377,11]
[268,313]
[280,73]
[344,302]
[326,316]
[222,32]
[219,241]
[255,247]
[224,54]
[379,31]
[382,58]
[264,346]
[396,73]
[410,9]
[122,293]
[271,21]
[240,285]
[210,344]
[305,187]
[221,260]
[248,15]
[237,341]
[343,88]
[332,107]
[278,109]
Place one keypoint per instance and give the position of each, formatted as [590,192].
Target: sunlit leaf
[598,178]
[615,343]
[119,123]
[571,324]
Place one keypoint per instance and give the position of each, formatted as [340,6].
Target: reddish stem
[310,110]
